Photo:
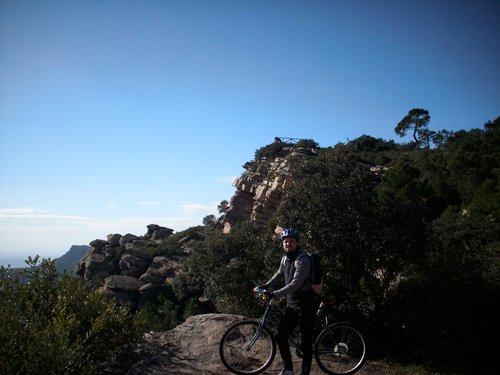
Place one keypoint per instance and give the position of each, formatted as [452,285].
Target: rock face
[260,187]
[124,267]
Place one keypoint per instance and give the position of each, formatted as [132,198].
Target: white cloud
[12,212]
[226,179]
[28,231]
[197,208]
[150,203]
[27,217]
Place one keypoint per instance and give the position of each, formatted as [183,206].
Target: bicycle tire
[340,349]
[242,360]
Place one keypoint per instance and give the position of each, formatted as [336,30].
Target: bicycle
[249,346]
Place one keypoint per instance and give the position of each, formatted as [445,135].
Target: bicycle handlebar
[261,294]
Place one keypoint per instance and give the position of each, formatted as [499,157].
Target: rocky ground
[192,348]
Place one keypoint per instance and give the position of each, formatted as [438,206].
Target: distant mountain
[68,261]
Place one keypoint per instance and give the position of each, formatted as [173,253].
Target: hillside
[68,261]
[65,263]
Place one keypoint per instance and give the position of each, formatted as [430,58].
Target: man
[295,270]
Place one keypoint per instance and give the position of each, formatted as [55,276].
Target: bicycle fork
[258,331]
[255,336]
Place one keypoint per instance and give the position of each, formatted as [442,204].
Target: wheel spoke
[340,349]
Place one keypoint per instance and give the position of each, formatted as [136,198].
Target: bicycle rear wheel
[246,348]
[340,349]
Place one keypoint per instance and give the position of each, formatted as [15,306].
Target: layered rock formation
[260,187]
[126,268]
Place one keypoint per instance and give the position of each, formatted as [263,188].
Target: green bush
[53,324]
[161,315]
[272,150]
[278,149]
[232,264]
[307,143]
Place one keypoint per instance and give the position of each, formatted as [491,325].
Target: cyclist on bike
[302,303]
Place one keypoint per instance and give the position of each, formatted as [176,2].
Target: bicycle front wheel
[340,349]
[246,348]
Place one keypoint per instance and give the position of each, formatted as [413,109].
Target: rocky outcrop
[126,268]
[260,187]
[190,348]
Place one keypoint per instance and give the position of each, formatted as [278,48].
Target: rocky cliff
[134,269]
[260,187]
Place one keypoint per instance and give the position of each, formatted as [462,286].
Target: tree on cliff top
[417,120]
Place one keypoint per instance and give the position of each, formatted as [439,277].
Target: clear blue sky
[118,114]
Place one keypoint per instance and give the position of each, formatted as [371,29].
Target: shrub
[161,315]
[272,150]
[232,264]
[53,324]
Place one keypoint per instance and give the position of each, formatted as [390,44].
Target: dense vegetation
[52,324]
[409,235]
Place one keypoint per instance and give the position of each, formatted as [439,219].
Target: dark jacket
[295,271]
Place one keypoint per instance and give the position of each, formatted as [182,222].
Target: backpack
[316,272]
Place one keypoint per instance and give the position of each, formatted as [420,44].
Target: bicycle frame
[263,322]
[269,321]
[321,316]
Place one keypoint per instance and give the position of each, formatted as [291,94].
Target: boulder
[135,266]
[138,249]
[197,236]
[125,289]
[98,244]
[114,239]
[156,232]
[127,238]
[123,283]
[159,270]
